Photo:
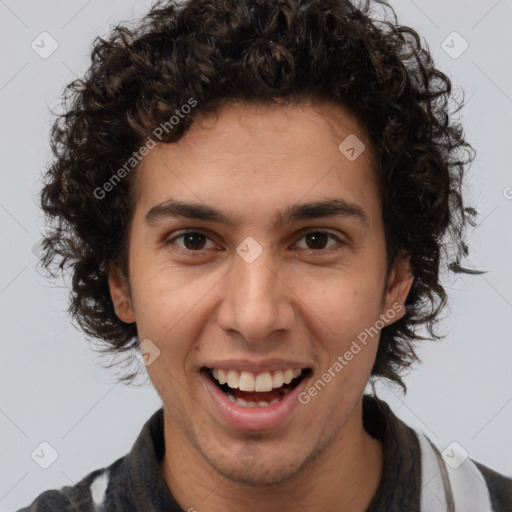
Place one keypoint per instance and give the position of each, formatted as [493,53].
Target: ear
[120,294]
[399,283]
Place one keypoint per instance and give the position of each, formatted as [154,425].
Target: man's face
[260,300]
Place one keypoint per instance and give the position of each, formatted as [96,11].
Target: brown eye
[317,240]
[193,241]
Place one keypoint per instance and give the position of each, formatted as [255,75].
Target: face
[231,278]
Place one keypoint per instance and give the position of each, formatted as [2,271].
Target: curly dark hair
[265,51]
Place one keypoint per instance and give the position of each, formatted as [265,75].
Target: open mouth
[256,390]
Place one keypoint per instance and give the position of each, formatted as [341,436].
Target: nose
[256,299]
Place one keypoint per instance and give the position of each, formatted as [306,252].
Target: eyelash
[199,252]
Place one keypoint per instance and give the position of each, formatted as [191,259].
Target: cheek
[167,307]
[344,302]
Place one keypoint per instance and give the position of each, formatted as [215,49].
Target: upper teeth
[248,381]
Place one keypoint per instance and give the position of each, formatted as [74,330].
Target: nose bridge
[255,302]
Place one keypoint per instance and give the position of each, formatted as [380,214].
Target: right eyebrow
[173,208]
[335,207]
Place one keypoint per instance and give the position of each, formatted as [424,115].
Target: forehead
[251,158]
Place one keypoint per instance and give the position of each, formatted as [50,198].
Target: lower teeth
[245,403]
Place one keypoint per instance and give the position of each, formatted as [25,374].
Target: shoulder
[438,476]
[500,488]
[84,496]
[48,501]
[130,483]
[457,481]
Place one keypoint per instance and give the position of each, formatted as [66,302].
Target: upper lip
[267,365]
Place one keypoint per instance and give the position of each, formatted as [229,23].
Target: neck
[344,475]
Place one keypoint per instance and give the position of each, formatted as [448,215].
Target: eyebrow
[297,212]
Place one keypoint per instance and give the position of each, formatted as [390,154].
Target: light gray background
[53,387]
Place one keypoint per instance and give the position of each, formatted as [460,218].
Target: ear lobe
[120,295]
[398,287]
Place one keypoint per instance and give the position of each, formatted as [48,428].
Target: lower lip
[253,418]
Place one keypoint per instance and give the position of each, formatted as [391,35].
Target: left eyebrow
[297,212]
[320,209]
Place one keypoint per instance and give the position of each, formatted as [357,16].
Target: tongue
[258,396]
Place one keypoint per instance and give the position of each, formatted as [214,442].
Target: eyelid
[181,233]
[307,231]
[302,233]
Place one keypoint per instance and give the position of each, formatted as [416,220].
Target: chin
[261,475]
[251,466]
